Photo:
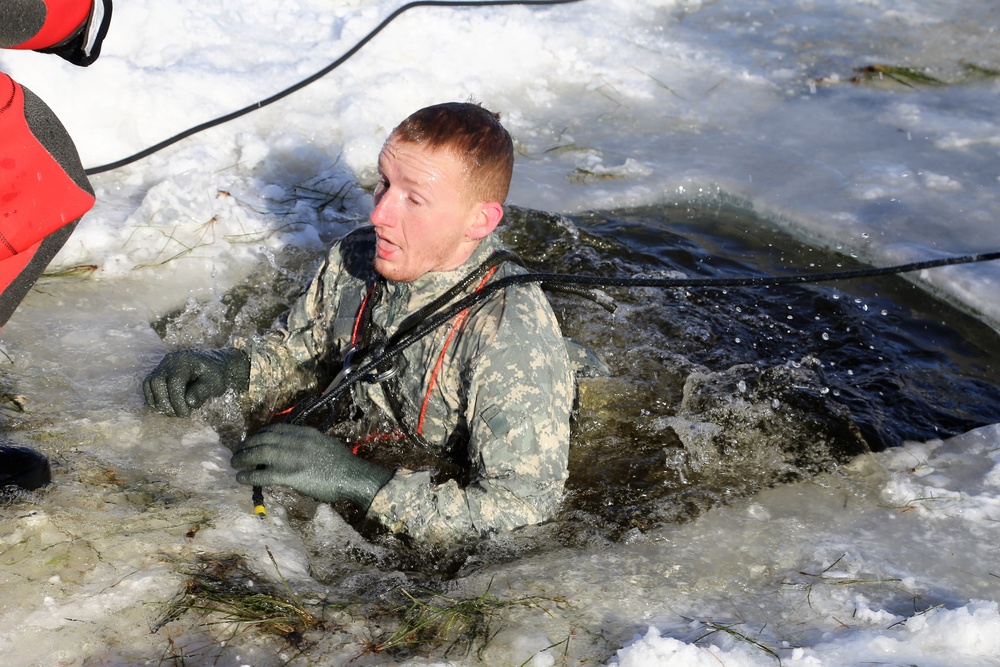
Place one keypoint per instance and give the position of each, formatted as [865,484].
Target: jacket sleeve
[520,393]
[289,357]
[38,24]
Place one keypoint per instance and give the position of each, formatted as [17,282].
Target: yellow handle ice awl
[258,502]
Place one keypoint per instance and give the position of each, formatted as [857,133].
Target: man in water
[464,433]
[43,188]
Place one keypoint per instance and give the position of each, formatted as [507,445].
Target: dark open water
[718,392]
[714,393]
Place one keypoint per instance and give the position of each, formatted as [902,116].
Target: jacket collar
[413,295]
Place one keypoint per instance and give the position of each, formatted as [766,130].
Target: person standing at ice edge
[468,432]
[43,188]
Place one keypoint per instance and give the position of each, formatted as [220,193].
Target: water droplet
[825,336]
[741,386]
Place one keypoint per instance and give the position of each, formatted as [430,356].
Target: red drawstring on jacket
[455,328]
[459,320]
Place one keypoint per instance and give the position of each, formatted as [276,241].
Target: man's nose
[381,215]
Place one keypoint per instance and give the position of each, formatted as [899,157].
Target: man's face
[423,218]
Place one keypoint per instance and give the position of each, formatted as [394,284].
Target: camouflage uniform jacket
[498,394]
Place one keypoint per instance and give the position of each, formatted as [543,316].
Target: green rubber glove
[186,379]
[310,462]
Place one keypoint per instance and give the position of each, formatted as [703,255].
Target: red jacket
[37,198]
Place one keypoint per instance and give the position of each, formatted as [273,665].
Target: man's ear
[486,219]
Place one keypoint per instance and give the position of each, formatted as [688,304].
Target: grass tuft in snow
[428,620]
[223,590]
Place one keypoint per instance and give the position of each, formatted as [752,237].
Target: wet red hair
[474,135]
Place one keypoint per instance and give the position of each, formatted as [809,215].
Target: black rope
[412,323]
[414,320]
[309,404]
[315,77]
[440,318]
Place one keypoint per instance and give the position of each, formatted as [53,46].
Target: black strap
[391,387]
[549,279]
[410,323]
[366,350]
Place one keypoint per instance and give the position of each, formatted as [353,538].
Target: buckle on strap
[350,368]
[381,376]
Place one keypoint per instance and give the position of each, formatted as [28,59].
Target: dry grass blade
[907,76]
[729,630]
[974,71]
[72,271]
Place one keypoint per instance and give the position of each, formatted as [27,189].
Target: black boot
[23,467]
